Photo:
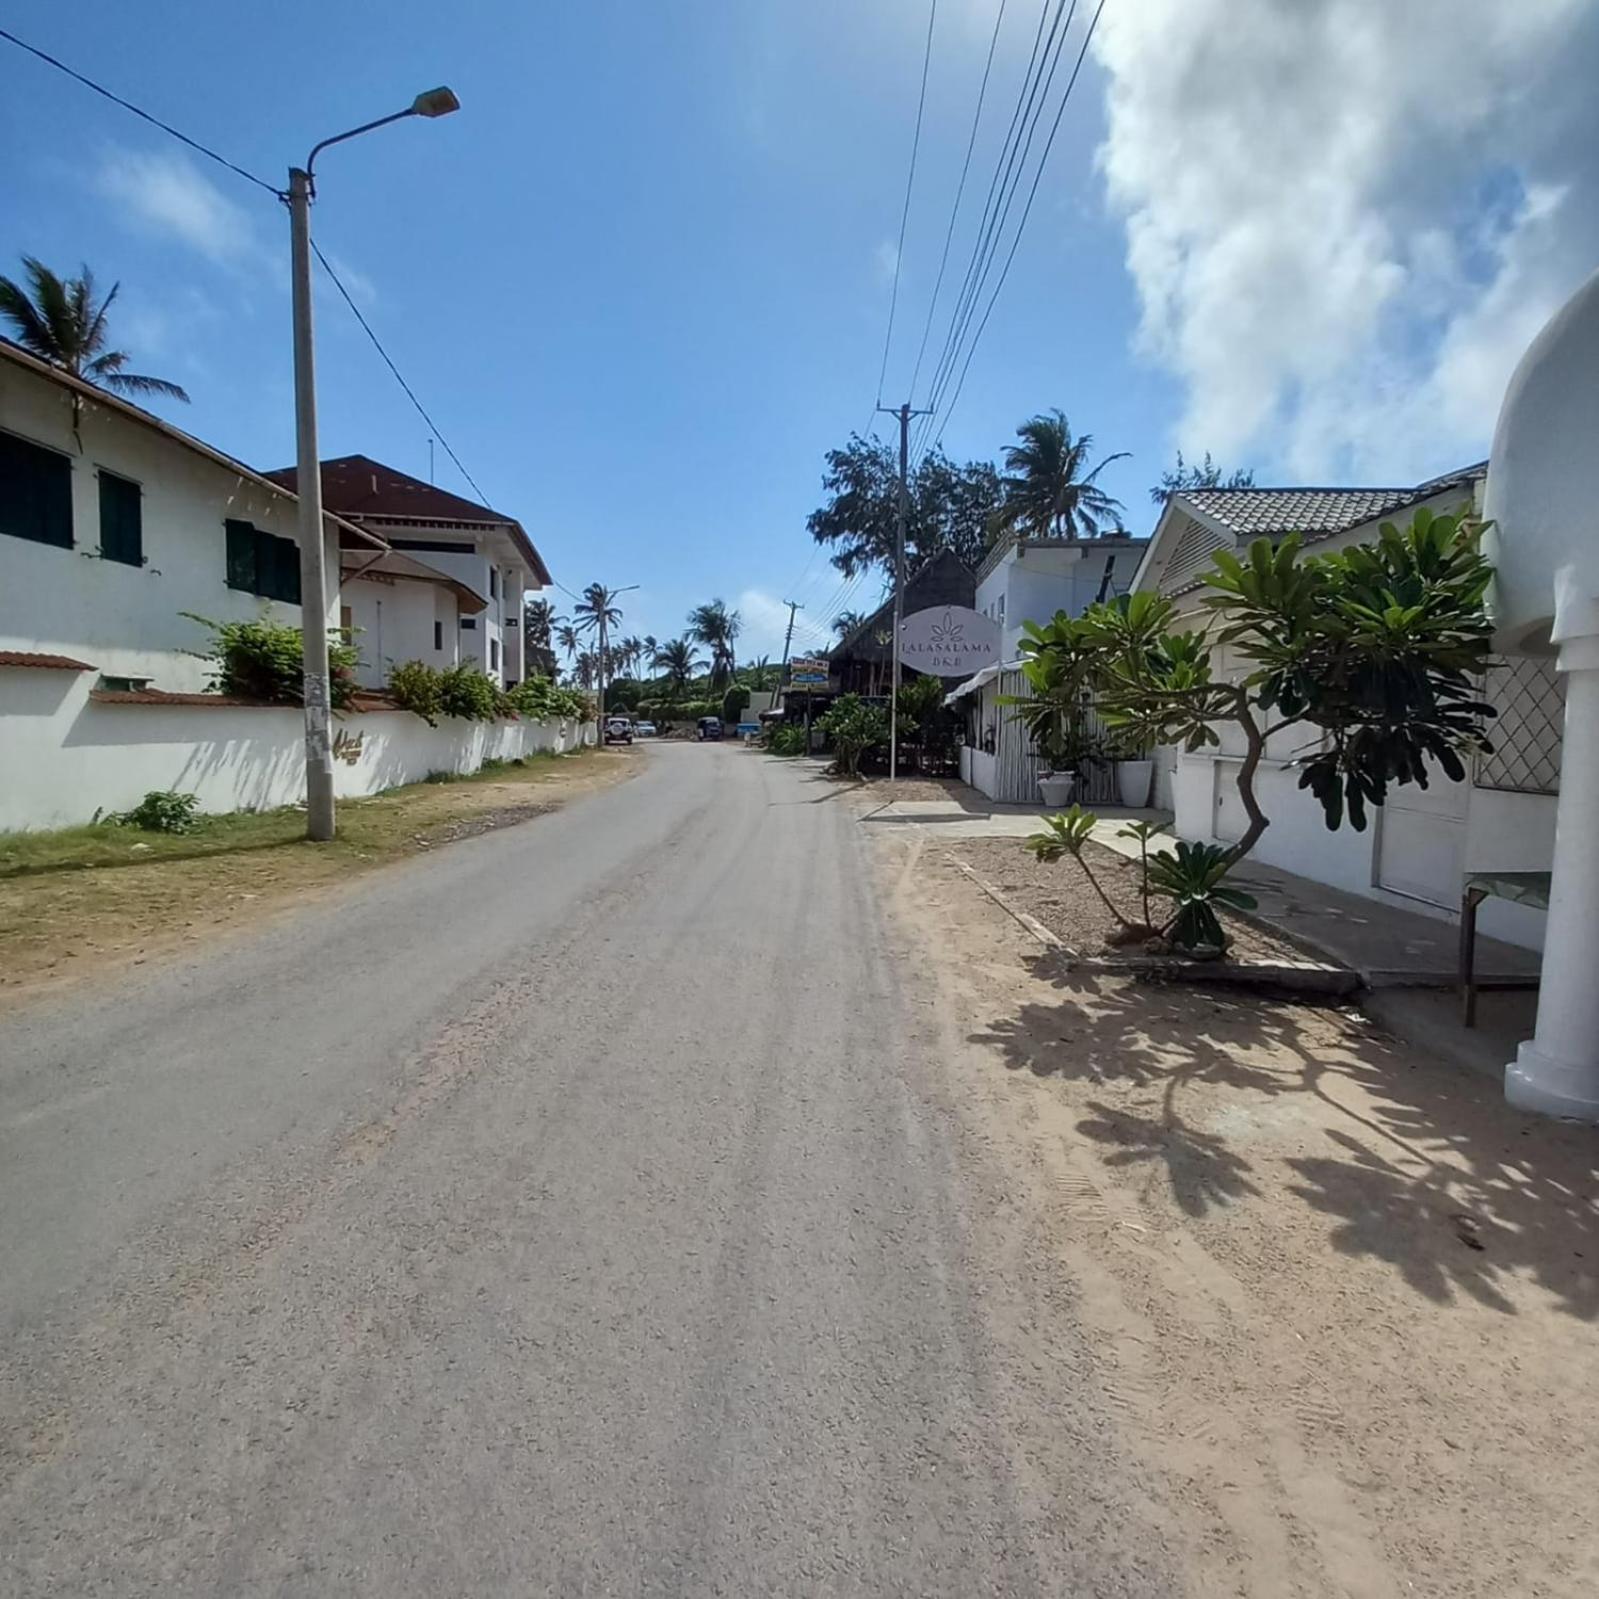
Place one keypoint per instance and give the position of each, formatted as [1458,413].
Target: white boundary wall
[64,756]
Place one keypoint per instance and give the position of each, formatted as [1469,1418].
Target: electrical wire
[960,190]
[410,393]
[994,204]
[905,210]
[128,105]
[1021,226]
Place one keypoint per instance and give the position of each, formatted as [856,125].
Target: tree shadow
[1425,1169]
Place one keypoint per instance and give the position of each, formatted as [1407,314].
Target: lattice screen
[1527,693]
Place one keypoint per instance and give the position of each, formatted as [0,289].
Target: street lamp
[319,823]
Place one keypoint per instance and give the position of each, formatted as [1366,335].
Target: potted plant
[1057,661]
[1135,770]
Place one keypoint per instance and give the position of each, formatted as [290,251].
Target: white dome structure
[1545,546]
[1540,494]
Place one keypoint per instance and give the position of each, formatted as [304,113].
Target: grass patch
[80,897]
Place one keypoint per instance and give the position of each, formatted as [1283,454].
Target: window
[469,622]
[494,655]
[494,584]
[35,492]
[438,635]
[261,563]
[121,519]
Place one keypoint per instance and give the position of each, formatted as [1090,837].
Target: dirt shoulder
[75,903]
[1343,1298]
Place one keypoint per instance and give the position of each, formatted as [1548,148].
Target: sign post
[809,672]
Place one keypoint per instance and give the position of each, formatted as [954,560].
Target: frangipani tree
[1376,653]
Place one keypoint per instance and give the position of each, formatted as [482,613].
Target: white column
[1557,1072]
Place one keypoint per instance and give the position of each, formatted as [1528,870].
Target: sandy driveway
[1344,1299]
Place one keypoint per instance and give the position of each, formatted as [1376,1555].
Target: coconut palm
[676,661]
[717,628]
[846,622]
[60,321]
[539,623]
[566,636]
[1047,492]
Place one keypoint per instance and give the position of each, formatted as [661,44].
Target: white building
[1029,580]
[396,608]
[485,551]
[1422,842]
[116,527]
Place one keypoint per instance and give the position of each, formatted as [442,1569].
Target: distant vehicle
[746,729]
[644,730]
[710,728]
[618,730]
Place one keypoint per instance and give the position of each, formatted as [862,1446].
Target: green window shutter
[283,555]
[241,556]
[35,492]
[121,520]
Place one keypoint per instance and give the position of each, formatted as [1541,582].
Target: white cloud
[765,619]
[1345,220]
[168,194]
[885,258]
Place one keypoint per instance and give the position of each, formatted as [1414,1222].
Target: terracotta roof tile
[48,663]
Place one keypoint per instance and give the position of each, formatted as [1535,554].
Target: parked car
[618,730]
[710,727]
[644,730]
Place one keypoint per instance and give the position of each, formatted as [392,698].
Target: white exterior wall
[394,621]
[124,620]
[67,756]
[471,565]
[1031,585]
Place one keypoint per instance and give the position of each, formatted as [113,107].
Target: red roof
[357,487]
[49,663]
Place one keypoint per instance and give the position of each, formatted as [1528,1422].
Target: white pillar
[1557,1072]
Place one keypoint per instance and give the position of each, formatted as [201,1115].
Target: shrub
[789,739]
[265,660]
[415,686]
[161,811]
[854,727]
[466,692]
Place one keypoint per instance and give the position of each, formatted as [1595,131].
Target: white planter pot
[1132,783]
[1056,787]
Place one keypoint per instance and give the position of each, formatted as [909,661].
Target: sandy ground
[1343,1298]
[1057,893]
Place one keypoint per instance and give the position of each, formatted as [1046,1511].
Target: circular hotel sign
[949,641]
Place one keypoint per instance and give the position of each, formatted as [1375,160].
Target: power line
[1027,210]
[905,210]
[993,204]
[960,190]
[1009,170]
[128,105]
[410,393]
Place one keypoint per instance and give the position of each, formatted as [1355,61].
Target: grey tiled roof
[1249,513]
[1252,512]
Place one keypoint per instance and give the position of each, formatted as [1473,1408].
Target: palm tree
[597,610]
[676,661]
[539,623]
[846,622]
[631,652]
[60,321]
[1046,491]
[717,628]
[566,637]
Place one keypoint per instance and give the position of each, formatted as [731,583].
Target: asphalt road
[574,1211]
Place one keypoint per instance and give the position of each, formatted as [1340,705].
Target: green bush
[265,660]
[789,739]
[161,811]
[854,727]
[415,686]
[466,692]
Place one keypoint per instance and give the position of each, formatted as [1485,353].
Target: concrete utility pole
[904,413]
[788,637]
[599,670]
[320,819]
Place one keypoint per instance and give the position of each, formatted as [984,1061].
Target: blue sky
[641,280]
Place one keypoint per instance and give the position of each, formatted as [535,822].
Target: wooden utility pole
[904,413]
[788,637]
